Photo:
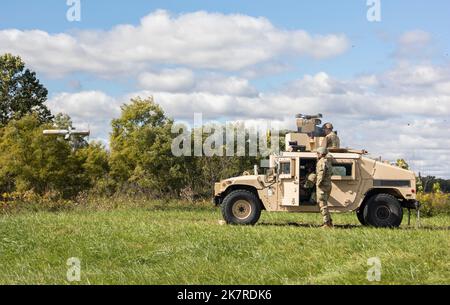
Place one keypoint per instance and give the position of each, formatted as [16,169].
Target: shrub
[32,201]
[434,203]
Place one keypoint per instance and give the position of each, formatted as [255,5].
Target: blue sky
[372,42]
[249,60]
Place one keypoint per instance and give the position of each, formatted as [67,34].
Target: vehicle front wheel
[383,211]
[241,207]
[360,215]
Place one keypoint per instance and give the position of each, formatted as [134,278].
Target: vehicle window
[285,168]
[343,169]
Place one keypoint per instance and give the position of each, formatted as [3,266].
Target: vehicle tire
[241,207]
[360,215]
[383,211]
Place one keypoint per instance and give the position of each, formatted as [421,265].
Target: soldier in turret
[331,139]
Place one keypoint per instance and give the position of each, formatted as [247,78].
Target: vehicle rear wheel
[383,211]
[241,207]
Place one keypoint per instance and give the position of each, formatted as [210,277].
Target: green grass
[188,245]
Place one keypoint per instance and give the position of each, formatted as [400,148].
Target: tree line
[138,161]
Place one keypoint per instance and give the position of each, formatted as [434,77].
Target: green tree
[94,160]
[21,93]
[31,161]
[402,164]
[141,153]
[436,188]
[419,184]
[201,172]
[62,121]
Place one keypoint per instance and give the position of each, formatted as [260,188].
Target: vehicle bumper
[412,204]
[217,200]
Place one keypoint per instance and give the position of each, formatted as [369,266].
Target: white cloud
[362,97]
[416,44]
[418,140]
[184,80]
[417,75]
[416,37]
[87,104]
[88,109]
[197,40]
[174,80]
[443,87]
[235,86]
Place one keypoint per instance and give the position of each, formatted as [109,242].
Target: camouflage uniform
[331,141]
[311,183]
[323,184]
[311,180]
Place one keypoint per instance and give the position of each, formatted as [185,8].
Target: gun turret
[309,124]
[309,133]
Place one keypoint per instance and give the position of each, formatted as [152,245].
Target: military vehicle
[377,191]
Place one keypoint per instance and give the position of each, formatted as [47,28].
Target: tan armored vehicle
[375,190]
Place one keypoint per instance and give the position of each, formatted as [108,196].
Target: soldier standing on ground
[323,184]
[331,139]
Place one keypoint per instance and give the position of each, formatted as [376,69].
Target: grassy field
[189,245]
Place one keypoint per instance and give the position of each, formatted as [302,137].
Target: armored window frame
[290,172]
[350,174]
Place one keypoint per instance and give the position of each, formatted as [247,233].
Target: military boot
[327,225]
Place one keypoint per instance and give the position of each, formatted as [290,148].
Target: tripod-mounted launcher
[67,133]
